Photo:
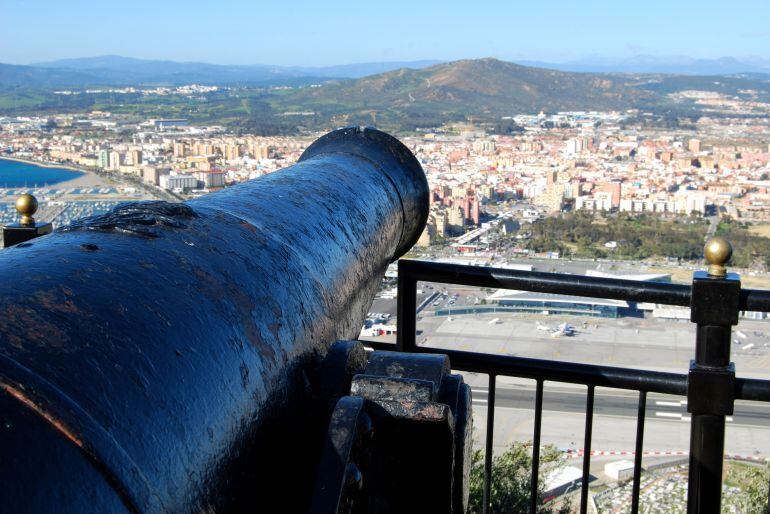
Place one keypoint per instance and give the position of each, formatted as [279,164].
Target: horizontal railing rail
[715,303]
[559,371]
[540,282]
[755,300]
[749,389]
[572,285]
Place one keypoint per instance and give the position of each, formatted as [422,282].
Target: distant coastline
[43,164]
[70,176]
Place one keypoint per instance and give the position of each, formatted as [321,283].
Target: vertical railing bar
[587,450]
[406,312]
[533,498]
[642,412]
[488,448]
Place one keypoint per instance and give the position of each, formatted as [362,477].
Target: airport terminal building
[508,300]
[544,303]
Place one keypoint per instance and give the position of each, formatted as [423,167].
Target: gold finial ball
[26,205]
[718,251]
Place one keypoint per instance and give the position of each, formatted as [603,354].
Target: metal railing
[715,301]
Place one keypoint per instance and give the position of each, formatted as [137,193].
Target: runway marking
[668,404]
[479,400]
[682,417]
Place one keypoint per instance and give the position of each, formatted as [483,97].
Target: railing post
[27,228]
[711,380]
[406,309]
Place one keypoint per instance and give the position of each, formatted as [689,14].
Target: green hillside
[481,88]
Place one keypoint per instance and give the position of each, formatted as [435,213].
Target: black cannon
[192,357]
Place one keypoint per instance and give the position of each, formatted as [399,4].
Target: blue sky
[328,32]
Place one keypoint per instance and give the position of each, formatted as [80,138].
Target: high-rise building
[684,162]
[200,148]
[180,149]
[103,159]
[459,192]
[577,188]
[486,192]
[231,152]
[456,220]
[471,208]
[258,151]
[553,198]
[116,160]
[152,174]
[484,146]
[136,157]
[212,178]
[551,176]
[442,223]
[695,203]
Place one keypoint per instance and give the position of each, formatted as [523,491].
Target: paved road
[614,403]
[713,224]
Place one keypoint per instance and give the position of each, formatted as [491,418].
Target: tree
[506,127]
[509,491]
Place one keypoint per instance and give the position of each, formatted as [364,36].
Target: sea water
[22,174]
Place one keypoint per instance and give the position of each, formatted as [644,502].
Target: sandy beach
[88,179]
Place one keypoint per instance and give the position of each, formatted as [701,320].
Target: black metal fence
[710,385]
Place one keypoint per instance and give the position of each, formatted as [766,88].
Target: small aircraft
[564,329]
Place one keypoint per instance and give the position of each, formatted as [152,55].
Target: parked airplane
[564,329]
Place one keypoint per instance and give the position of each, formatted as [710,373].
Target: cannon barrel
[161,357]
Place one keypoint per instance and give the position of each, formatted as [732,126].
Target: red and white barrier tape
[611,453]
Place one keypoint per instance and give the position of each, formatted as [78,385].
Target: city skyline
[238,32]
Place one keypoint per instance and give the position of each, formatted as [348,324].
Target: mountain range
[489,89]
[405,96]
[114,70]
[485,88]
[674,64]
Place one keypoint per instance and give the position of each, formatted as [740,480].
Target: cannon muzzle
[162,357]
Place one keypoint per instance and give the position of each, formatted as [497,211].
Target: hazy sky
[299,32]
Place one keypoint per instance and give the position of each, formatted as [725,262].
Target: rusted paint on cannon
[163,357]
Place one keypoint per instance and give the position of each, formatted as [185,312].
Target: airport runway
[614,403]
